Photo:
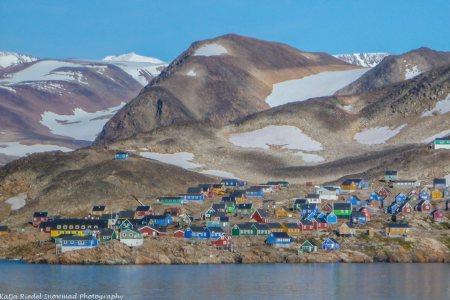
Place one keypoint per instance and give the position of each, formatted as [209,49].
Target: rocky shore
[166,250]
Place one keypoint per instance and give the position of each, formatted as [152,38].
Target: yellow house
[283,211]
[4,230]
[239,197]
[436,194]
[398,230]
[291,228]
[275,227]
[348,186]
[75,226]
[99,210]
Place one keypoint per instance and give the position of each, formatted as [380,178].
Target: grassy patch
[446,241]
[364,237]
[406,245]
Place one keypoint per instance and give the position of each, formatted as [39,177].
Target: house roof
[291,225]
[191,194]
[305,222]
[332,240]
[342,206]
[106,232]
[216,206]
[239,193]
[422,202]
[263,213]
[99,208]
[349,181]
[143,208]
[398,225]
[273,183]
[194,190]
[171,213]
[215,229]
[312,196]
[353,197]
[404,181]
[390,173]
[350,225]
[127,214]
[205,185]
[169,198]
[38,214]
[78,238]
[228,180]
[439,181]
[245,205]
[196,229]
[310,242]
[217,186]
[3,228]
[285,207]
[300,201]
[320,220]
[261,226]
[281,235]
[309,206]
[245,226]
[158,217]
[218,214]
[255,190]
[358,214]
[224,219]
[274,225]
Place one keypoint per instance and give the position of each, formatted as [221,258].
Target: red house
[406,208]
[305,225]
[143,211]
[366,211]
[320,224]
[374,204]
[413,192]
[173,209]
[384,192]
[261,216]
[223,241]
[327,207]
[45,227]
[179,234]
[40,217]
[424,206]
[438,215]
[153,231]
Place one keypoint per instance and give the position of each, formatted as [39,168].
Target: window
[77,227]
[65,242]
[71,227]
[80,243]
[131,234]
[83,227]
[65,227]
[58,227]
[59,232]
[35,219]
[71,242]
[89,226]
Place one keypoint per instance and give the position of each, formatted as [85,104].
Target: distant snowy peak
[9,59]
[133,57]
[368,60]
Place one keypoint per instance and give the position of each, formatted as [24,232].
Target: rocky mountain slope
[62,104]
[220,80]
[396,68]
[367,60]
[8,59]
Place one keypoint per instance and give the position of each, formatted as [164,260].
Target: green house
[108,235]
[342,210]
[244,208]
[390,176]
[230,205]
[261,229]
[298,203]
[242,230]
[442,143]
[309,246]
[169,200]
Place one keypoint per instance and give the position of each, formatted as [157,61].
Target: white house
[314,198]
[328,193]
[72,243]
[132,238]
[442,143]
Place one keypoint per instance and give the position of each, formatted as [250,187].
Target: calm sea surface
[269,281]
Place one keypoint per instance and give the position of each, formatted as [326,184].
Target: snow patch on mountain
[377,135]
[442,107]
[289,137]
[319,85]
[81,125]
[211,50]
[411,73]
[218,173]
[18,149]
[368,60]
[182,159]
[9,59]
[437,136]
[133,57]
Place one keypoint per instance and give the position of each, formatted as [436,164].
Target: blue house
[375,196]
[424,196]
[400,198]
[254,192]
[331,218]
[310,216]
[330,244]
[214,232]
[223,222]
[195,232]
[320,215]
[122,155]
[392,208]
[160,220]
[354,200]
[280,240]
[230,182]
[358,217]
[192,197]
[75,242]
[309,208]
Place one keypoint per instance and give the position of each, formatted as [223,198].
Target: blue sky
[163,29]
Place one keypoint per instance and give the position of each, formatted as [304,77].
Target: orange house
[348,186]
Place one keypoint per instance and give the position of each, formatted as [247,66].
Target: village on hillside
[232,209]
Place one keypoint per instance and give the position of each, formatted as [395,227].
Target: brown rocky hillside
[219,88]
